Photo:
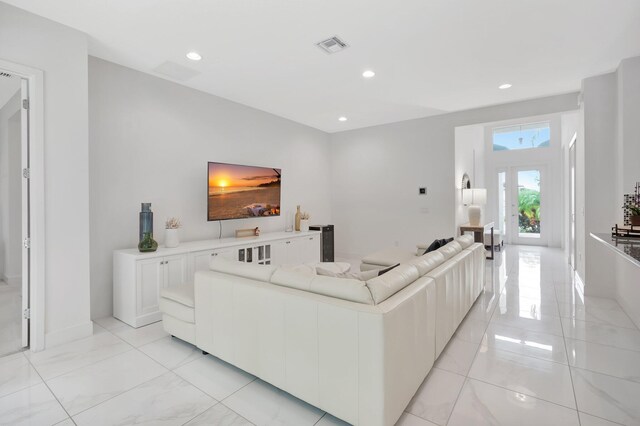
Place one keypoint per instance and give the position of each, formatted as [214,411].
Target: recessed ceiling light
[504,86]
[194,56]
[342,119]
[368,74]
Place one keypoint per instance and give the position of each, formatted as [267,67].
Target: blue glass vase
[146,221]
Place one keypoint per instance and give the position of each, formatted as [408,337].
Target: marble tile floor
[532,351]
[10,318]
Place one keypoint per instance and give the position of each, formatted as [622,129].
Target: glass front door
[528,203]
[521,205]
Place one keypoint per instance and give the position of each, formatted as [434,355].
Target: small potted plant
[633,206]
[635,214]
[304,222]
[171,238]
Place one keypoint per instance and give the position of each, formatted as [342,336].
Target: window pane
[525,136]
[529,203]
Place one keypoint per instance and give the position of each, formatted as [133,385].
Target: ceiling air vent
[332,45]
[5,74]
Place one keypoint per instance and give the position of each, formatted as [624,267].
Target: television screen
[241,192]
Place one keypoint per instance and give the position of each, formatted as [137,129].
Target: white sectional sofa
[358,350]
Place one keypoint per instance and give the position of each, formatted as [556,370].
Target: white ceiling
[430,56]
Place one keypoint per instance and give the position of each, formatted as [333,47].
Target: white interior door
[527,206]
[24,123]
[572,204]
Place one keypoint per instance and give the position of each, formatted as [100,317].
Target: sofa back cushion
[241,269]
[465,240]
[340,288]
[450,250]
[361,275]
[386,285]
[427,262]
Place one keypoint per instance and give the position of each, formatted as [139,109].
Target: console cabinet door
[150,279]
[230,253]
[175,270]
[199,261]
[279,252]
[311,249]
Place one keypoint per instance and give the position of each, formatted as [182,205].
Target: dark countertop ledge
[629,248]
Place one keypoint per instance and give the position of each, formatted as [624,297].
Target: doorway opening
[14,213]
[521,204]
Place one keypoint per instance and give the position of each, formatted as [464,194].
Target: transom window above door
[521,136]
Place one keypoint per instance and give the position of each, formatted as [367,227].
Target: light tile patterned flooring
[532,351]
[10,318]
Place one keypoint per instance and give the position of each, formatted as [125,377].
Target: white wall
[150,140]
[469,156]
[627,274]
[608,167]
[61,53]
[10,188]
[601,202]
[375,201]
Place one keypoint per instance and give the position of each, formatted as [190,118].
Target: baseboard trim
[12,280]
[68,334]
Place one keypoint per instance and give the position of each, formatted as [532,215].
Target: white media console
[138,277]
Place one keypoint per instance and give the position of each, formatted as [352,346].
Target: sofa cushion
[341,288]
[435,245]
[362,276]
[182,294]
[171,308]
[178,302]
[427,262]
[465,240]
[385,286]
[287,277]
[389,257]
[242,269]
[387,269]
[450,250]
[310,268]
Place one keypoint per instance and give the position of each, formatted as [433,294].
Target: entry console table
[478,234]
[138,277]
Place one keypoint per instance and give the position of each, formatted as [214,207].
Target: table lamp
[474,198]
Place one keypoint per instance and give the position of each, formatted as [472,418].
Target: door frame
[510,233]
[572,200]
[35,79]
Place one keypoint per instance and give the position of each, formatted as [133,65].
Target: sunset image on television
[238,192]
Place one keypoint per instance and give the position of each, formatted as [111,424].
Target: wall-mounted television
[242,192]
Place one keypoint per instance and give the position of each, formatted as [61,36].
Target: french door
[521,205]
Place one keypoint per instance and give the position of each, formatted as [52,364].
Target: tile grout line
[123,392]
[564,342]
[466,376]
[127,390]
[322,417]
[84,366]
[50,391]
[87,365]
